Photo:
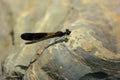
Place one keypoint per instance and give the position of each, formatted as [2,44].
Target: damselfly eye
[68,31]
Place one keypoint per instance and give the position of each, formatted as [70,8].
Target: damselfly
[36,37]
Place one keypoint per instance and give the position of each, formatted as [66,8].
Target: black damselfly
[36,37]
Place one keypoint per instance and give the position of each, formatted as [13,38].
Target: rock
[90,52]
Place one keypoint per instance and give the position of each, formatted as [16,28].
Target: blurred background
[100,17]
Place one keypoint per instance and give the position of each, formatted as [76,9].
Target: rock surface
[91,52]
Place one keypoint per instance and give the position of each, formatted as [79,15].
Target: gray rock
[91,52]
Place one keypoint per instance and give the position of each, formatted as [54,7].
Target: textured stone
[91,52]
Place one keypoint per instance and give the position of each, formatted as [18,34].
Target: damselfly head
[67,32]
